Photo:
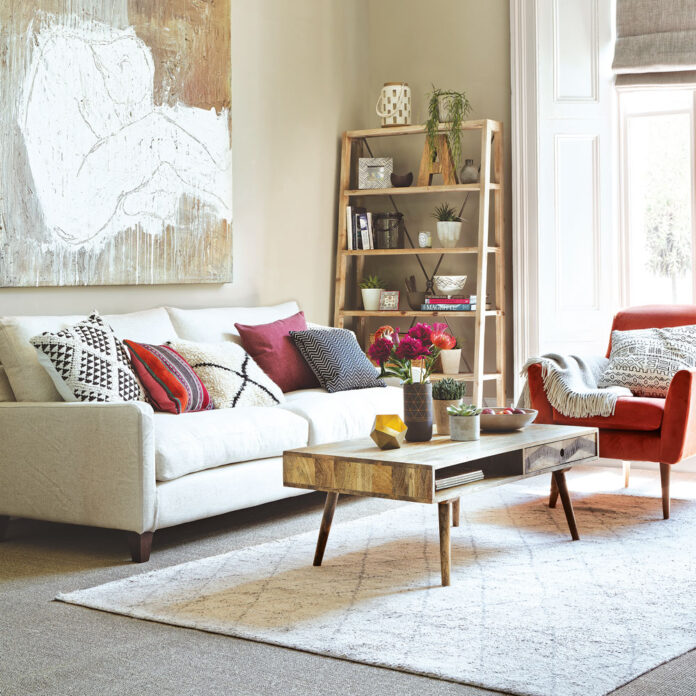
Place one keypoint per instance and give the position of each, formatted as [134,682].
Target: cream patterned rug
[528,612]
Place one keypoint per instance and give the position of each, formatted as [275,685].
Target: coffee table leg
[455,512]
[553,495]
[443,513]
[329,509]
[559,478]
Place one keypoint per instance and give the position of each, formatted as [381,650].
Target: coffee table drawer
[552,454]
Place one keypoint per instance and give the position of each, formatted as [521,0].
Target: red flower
[411,349]
[380,350]
[421,332]
[443,341]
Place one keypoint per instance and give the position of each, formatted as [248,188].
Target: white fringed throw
[570,383]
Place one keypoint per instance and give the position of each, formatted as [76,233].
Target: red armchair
[641,429]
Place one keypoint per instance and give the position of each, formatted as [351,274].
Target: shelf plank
[465,376]
[411,190]
[409,251]
[420,129]
[416,313]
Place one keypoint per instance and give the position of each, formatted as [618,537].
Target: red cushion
[170,382]
[631,413]
[272,348]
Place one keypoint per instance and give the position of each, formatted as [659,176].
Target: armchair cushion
[631,413]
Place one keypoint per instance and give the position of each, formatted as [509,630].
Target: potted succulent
[451,108]
[446,392]
[371,288]
[464,422]
[411,358]
[449,225]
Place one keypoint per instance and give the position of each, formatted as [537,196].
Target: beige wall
[298,80]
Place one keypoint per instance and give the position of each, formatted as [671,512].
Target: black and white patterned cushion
[230,374]
[336,359]
[645,360]
[88,362]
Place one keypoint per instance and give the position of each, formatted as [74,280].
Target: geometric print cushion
[229,373]
[87,362]
[645,360]
[171,384]
[336,359]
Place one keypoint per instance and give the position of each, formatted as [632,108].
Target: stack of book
[441,303]
[458,479]
[359,228]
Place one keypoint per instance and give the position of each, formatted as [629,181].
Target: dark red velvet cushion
[272,348]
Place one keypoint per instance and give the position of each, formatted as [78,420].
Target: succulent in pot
[449,225]
[370,288]
[464,422]
[446,392]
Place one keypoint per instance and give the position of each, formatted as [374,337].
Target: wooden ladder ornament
[440,164]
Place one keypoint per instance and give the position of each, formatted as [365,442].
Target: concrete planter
[465,428]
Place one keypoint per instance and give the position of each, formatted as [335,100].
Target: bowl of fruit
[506,419]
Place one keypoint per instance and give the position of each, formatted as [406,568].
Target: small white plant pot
[465,428]
[370,298]
[448,232]
[450,360]
[440,407]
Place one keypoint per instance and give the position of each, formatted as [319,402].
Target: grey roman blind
[655,42]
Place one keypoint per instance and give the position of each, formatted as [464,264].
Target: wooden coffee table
[359,467]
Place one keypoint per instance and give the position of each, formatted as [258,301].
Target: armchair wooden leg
[140,546]
[553,495]
[626,472]
[4,522]
[665,470]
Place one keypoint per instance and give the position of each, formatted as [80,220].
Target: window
[657,196]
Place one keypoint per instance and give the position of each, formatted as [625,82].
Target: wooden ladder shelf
[490,184]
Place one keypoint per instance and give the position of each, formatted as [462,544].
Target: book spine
[446,300]
[449,307]
[371,231]
[356,237]
[349,227]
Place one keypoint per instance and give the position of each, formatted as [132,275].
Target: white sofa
[123,466]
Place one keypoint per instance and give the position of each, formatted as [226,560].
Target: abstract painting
[115,142]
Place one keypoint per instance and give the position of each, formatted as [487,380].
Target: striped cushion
[171,384]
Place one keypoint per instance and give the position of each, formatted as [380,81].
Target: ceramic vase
[448,232]
[469,173]
[370,298]
[465,428]
[440,407]
[450,360]
[418,411]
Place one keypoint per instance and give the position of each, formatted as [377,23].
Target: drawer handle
[562,452]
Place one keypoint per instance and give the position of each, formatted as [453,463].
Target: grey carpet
[48,648]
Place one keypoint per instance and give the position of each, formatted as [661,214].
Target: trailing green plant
[448,389]
[373,282]
[459,108]
[446,213]
[463,410]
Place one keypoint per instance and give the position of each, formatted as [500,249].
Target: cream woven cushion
[29,380]
[645,360]
[6,393]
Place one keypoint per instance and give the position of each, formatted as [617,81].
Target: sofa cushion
[196,441]
[29,381]
[88,362]
[6,393]
[273,349]
[631,413]
[216,324]
[343,415]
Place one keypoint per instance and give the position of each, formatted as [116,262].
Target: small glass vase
[418,411]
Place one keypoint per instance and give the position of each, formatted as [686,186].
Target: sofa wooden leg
[140,546]
[626,472]
[665,470]
[553,495]
[4,523]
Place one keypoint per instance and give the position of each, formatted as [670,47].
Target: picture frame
[375,172]
[389,300]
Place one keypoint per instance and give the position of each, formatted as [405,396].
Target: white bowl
[449,284]
[507,422]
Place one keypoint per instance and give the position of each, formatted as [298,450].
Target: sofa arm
[678,432]
[81,463]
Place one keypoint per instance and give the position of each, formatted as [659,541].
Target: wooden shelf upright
[490,184]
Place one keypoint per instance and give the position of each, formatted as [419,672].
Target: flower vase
[418,411]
